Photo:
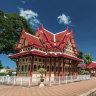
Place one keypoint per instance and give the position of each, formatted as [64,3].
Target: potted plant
[41,71]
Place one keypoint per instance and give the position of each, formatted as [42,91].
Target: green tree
[1,66]
[87,59]
[10,73]
[7,67]
[11,26]
[80,72]
[41,71]
[80,56]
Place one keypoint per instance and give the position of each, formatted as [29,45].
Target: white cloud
[23,1]
[63,19]
[31,16]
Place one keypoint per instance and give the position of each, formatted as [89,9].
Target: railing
[33,81]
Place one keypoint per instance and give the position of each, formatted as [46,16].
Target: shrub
[41,71]
[3,74]
[80,72]
[86,72]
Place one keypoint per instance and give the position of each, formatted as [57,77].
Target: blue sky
[56,15]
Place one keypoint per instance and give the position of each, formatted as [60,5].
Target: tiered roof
[47,40]
[57,41]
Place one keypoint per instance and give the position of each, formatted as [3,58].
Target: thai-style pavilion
[57,53]
[91,68]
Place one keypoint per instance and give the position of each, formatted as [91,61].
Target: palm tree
[87,59]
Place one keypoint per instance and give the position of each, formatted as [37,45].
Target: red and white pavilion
[91,68]
[57,53]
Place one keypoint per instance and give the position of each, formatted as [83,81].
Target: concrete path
[71,89]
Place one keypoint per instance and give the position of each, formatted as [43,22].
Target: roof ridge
[60,32]
[49,31]
[31,35]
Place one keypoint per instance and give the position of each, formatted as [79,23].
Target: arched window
[25,68]
[22,68]
[23,60]
[20,60]
[29,68]
[39,60]
[35,59]
[39,67]
[19,68]
[56,69]
[48,68]
[43,66]
[61,69]
[52,68]
[35,68]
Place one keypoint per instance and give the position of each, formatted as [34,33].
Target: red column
[59,70]
[32,61]
[17,66]
[50,69]
[54,68]
[74,71]
[63,68]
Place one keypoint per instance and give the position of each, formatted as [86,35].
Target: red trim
[23,31]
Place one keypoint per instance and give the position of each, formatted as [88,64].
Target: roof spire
[71,31]
[37,28]
[42,28]
[67,29]
[23,30]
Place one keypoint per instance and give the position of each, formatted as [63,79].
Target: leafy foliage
[7,67]
[41,71]
[1,66]
[80,72]
[10,73]
[86,72]
[87,59]
[80,56]
[3,74]
[11,26]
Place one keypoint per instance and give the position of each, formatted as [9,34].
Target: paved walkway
[71,89]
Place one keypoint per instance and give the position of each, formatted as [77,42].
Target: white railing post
[59,79]
[2,79]
[66,79]
[71,79]
[29,81]
[8,79]
[21,81]
[14,80]
[50,81]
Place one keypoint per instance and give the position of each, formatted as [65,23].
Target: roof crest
[31,35]
[49,31]
[60,32]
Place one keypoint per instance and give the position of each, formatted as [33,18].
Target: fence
[33,81]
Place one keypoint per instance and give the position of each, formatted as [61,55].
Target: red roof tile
[33,40]
[51,35]
[58,36]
